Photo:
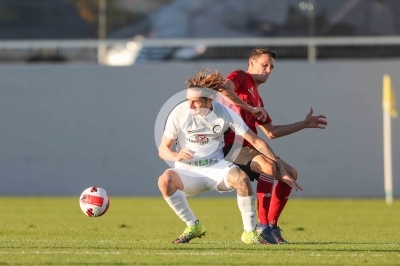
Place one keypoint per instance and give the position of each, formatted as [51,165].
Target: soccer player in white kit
[197,127]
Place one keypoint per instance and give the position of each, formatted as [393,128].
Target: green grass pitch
[139,231]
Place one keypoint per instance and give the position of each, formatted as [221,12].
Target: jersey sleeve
[228,103]
[236,123]
[237,77]
[172,126]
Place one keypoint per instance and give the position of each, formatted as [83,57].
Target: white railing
[132,47]
[211,41]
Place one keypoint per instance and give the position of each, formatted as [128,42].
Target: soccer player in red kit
[242,88]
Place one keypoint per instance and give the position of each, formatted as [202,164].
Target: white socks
[180,205]
[247,209]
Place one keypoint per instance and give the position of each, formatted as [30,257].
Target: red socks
[264,194]
[280,196]
[271,202]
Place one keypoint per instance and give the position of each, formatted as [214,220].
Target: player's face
[199,105]
[261,67]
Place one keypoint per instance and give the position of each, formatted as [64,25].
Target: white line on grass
[58,252]
[339,255]
[192,253]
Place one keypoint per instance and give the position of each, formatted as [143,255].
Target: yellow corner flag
[389,98]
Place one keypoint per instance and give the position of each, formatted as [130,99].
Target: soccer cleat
[260,228]
[276,233]
[266,234]
[191,232]
[253,238]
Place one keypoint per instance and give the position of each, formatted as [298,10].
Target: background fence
[128,52]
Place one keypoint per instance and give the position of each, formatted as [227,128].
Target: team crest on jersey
[217,129]
[200,139]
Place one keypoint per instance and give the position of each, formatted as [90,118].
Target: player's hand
[184,154]
[318,121]
[259,113]
[291,182]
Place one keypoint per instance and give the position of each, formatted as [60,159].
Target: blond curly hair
[207,78]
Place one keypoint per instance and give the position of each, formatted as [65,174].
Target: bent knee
[240,181]
[236,176]
[167,180]
[263,165]
[243,178]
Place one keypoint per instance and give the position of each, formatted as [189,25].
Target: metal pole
[387,157]
[101,52]
[311,51]
[389,109]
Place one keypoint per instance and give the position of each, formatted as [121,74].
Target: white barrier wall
[67,127]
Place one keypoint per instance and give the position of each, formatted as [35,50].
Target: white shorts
[198,179]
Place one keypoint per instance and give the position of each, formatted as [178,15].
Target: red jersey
[246,89]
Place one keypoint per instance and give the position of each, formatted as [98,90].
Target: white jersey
[203,135]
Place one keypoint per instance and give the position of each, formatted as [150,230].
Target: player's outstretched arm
[229,91]
[273,132]
[165,151]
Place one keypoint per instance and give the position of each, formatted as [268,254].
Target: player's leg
[259,167]
[171,185]
[226,176]
[266,170]
[237,179]
[280,197]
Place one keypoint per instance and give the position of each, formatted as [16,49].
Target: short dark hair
[256,52]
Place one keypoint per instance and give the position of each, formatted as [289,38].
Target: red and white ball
[94,201]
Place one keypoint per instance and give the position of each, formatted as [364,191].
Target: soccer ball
[94,201]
